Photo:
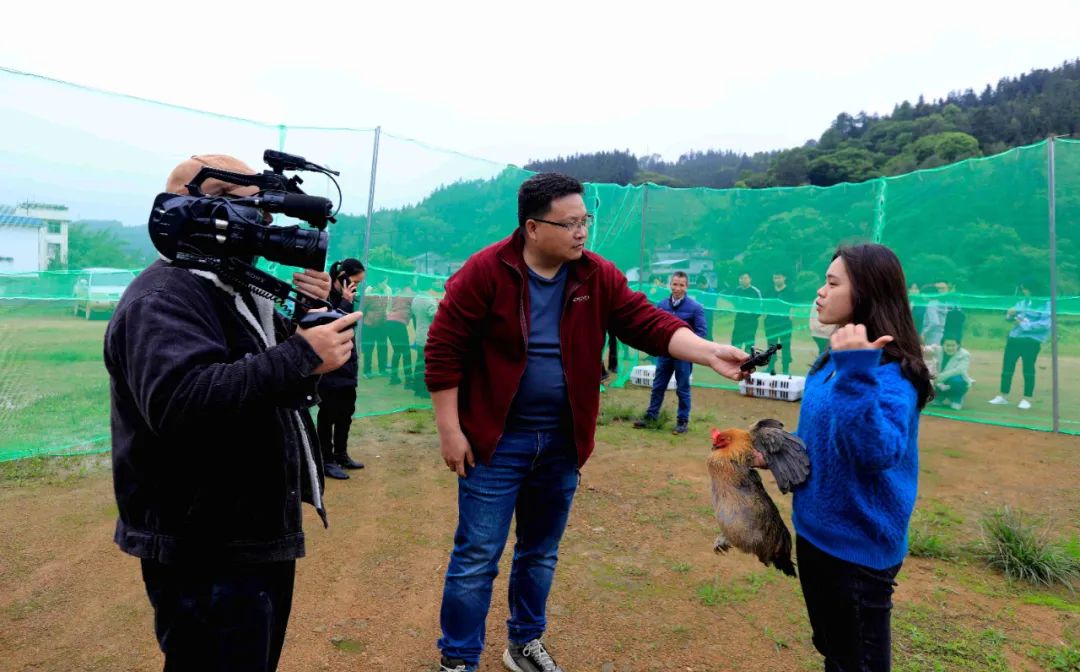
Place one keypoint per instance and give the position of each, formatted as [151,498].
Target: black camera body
[225,234]
[223,227]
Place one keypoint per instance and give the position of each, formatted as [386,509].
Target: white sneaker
[956,406]
[999,400]
[1024,404]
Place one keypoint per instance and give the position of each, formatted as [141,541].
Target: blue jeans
[532,475]
[665,366]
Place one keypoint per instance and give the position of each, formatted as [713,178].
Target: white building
[33,237]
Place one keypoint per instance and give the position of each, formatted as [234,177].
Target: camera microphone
[280,161]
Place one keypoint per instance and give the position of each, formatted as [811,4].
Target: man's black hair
[680,274]
[536,194]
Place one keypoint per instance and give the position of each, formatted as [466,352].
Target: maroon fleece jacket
[478,339]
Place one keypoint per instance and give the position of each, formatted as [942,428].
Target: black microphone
[283,161]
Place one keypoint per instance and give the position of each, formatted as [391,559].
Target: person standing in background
[690,311]
[778,323]
[373,335]
[397,331]
[1031,320]
[748,309]
[337,389]
[423,309]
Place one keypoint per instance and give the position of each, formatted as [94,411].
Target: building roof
[9,218]
[32,205]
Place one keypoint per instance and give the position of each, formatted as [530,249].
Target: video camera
[224,234]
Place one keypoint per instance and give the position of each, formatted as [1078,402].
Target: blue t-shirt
[542,403]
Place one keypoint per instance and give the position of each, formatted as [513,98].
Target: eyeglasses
[583,225]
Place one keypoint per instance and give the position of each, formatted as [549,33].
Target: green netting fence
[79,169]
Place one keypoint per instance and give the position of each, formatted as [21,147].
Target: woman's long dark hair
[346,268]
[879,301]
[339,270]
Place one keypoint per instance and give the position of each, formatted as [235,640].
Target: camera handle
[237,272]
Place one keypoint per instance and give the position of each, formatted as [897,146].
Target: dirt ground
[638,586]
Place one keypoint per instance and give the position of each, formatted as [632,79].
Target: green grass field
[54,388]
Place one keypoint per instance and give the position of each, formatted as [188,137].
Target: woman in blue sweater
[860,422]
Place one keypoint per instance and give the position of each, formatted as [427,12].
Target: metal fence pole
[641,249]
[1052,201]
[371,192]
[362,289]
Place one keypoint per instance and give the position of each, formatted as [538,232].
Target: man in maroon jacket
[513,363]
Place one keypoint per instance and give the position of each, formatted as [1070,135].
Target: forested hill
[1018,111]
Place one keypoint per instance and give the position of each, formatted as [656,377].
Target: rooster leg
[721,545]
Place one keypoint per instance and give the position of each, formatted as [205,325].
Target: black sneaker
[334,471]
[455,665]
[529,657]
[680,428]
[644,422]
[348,463]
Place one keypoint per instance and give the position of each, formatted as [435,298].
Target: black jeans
[1020,348]
[220,618]
[849,607]
[373,336]
[398,334]
[744,333]
[782,335]
[336,408]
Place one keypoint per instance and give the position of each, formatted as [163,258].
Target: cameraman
[213,449]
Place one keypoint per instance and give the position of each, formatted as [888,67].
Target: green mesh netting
[76,184]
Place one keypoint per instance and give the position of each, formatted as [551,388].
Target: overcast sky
[512,81]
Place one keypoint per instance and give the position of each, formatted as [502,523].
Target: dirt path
[638,587]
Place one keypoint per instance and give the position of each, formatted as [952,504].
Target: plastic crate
[769,386]
[643,375]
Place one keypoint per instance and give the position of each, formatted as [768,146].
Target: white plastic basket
[768,386]
[643,375]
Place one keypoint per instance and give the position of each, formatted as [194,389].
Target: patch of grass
[629,581]
[419,422]
[777,641]
[614,411]
[676,487]
[663,420]
[47,470]
[1013,544]
[940,515]
[681,567]
[930,533]
[681,633]
[1072,547]
[739,590]
[923,544]
[17,611]
[1063,658]
[347,645]
[927,640]
[1051,601]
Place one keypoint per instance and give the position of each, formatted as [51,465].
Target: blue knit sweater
[860,422]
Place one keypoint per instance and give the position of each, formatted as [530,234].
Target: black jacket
[344,377]
[208,425]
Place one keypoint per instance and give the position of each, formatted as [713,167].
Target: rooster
[749,520]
